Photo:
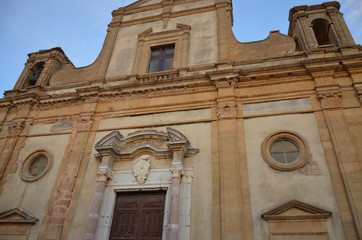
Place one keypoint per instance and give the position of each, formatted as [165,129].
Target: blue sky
[79,27]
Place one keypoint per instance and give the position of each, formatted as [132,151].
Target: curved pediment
[155,143]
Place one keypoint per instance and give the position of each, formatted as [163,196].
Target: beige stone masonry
[330,96]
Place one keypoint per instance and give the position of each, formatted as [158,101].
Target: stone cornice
[221,74]
[322,67]
[300,10]
[160,17]
[137,8]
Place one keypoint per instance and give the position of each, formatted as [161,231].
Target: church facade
[179,131]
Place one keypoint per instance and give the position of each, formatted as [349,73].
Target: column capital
[104,174]
[187,175]
[358,88]
[177,170]
[330,97]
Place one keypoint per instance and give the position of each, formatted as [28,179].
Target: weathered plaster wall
[193,5]
[271,188]
[203,42]
[18,193]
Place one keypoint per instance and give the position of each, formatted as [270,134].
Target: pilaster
[108,46]
[331,98]
[61,207]
[224,24]
[15,127]
[344,37]
[354,68]
[230,186]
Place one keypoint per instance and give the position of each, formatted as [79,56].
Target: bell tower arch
[319,26]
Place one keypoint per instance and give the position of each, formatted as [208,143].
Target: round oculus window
[36,166]
[285,151]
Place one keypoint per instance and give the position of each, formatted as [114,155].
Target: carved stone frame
[120,185]
[304,154]
[146,40]
[176,179]
[16,223]
[297,218]
[24,171]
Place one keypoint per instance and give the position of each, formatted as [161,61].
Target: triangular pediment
[147,3]
[16,215]
[294,210]
[142,3]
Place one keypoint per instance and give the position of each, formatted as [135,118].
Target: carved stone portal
[141,169]
[170,145]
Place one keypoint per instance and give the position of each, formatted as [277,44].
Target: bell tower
[319,26]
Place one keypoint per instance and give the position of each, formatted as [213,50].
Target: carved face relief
[227,110]
[141,169]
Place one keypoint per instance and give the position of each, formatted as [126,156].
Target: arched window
[34,74]
[323,33]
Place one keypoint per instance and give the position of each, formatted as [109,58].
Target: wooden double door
[138,216]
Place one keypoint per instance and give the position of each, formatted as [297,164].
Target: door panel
[138,216]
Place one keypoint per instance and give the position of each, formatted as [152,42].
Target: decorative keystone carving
[177,171]
[359,92]
[330,99]
[85,118]
[230,80]
[228,110]
[141,169]
[15,128]
[156,77]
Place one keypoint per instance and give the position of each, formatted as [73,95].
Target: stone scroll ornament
[141,169]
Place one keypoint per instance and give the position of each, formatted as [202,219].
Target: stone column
[173,228]
[49,69]
[104,173]
[341,30]
[185,203]
[178,149]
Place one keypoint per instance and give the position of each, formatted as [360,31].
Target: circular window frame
[303,157]
[25,173]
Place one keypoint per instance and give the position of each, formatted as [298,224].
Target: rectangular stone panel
[283,106]
[158,118]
